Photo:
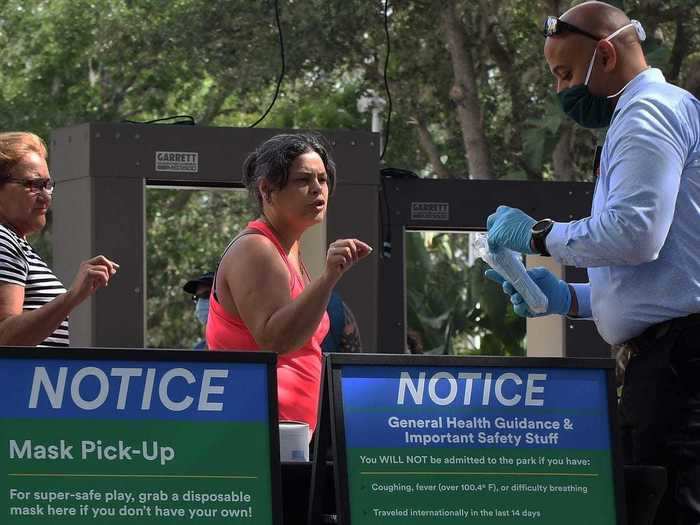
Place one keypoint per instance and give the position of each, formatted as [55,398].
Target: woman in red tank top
[263,297]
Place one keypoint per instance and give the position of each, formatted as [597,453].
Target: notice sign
[471,444]
[162,438]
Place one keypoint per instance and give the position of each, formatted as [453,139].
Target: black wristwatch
[539,232]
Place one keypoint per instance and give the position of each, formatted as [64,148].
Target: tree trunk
[464,94]
[511,77]
[692,78]
[556,7]
[215,101]
[428,146]
[680,49]
[562,157]
[503,57]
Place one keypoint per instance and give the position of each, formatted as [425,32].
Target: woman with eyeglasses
[263,297]
[34,305]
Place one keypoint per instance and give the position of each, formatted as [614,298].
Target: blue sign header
[106,389]
[410,406]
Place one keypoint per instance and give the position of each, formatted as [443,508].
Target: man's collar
[643,78]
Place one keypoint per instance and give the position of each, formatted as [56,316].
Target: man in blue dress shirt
[641,243]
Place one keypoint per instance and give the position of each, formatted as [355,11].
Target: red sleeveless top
[299,371]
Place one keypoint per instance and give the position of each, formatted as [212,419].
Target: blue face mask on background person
[586,109]
[201,310]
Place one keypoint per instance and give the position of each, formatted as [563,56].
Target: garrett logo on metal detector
[430,211]
[182,161]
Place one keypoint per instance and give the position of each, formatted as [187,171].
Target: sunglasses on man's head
[554,26]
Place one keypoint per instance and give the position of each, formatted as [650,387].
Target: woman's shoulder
[252,260]
[251,238]
[252,248]
[7,232]
[10,241]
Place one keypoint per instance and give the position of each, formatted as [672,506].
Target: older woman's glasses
[554,26]
[33,185]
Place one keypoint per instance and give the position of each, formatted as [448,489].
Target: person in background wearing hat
[641,243]
[200,289]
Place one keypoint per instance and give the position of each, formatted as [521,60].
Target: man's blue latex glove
[557,292]
[511,228]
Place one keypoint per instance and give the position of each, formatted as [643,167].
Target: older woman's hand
[343,253]
[92,274]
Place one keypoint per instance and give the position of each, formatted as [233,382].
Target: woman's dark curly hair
[273,158]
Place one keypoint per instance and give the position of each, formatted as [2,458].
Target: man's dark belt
[667,329]
[664,334]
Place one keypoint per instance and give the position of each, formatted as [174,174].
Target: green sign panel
[448,441]
[138,437]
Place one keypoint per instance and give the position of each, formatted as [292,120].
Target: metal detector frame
[415,204]
[102,171]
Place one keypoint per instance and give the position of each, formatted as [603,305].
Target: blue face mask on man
[201,309]
[586,109]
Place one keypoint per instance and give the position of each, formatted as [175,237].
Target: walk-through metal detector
[102,171]
[463,205]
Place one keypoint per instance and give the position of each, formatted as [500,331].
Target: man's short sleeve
[13,265]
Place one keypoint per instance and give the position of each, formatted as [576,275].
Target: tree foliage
[450,307]
[187,231]
[67,61]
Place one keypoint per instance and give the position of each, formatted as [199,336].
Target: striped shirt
[20,264]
